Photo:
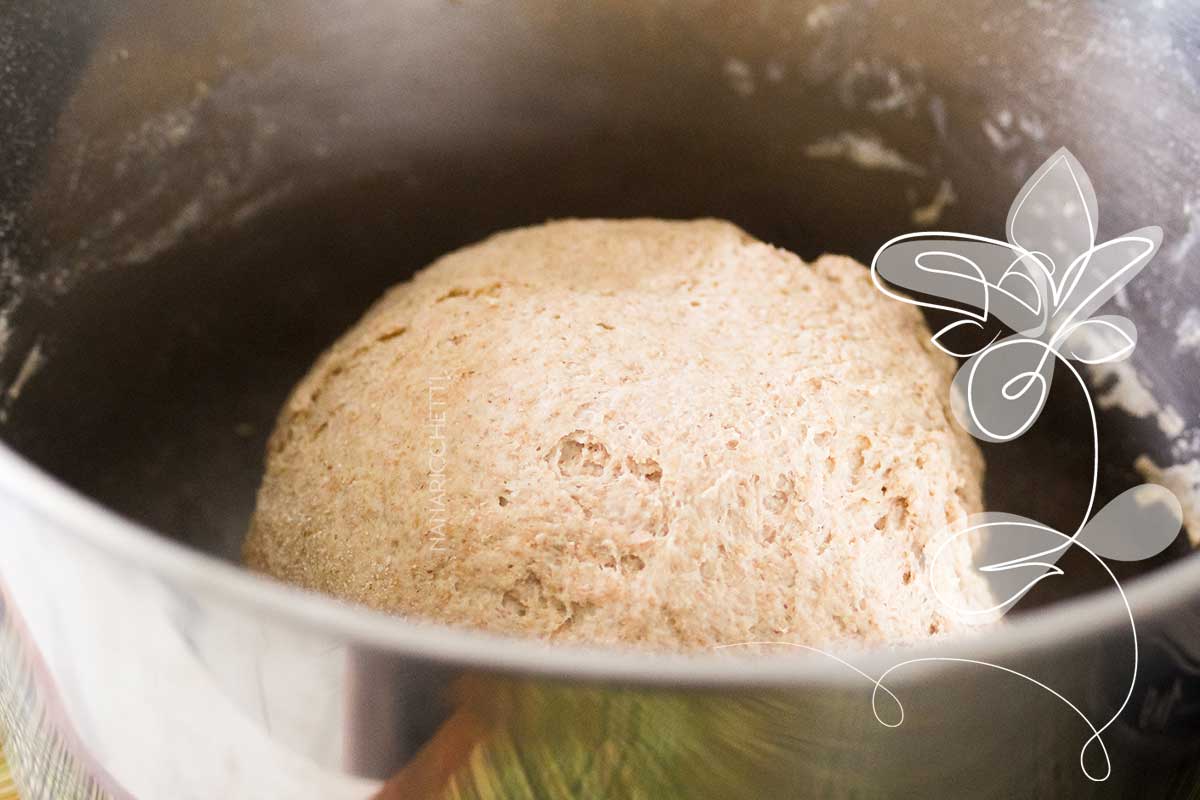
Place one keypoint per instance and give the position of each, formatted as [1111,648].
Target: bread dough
[664,434]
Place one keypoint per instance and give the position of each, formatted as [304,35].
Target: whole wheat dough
[665,434]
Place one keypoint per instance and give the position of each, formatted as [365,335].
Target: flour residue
[739,76]
[880,87]
[189,218]
[1187,332]
[929,214]
[10,281]
[1184,481]
[1120,386]
[29,367]
[1006,131]
[864,150]
[1032,127]
[825,15]
[5,333]
[175,175]
[1186,445]
[998,134]
[1183,246]
[32,363]
[1170,422]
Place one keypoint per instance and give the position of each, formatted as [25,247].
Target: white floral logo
[1044,283]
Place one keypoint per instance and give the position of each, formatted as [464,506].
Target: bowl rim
[91,524]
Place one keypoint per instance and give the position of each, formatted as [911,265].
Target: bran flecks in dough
[661,434]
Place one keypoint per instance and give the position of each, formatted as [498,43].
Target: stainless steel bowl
[197,198]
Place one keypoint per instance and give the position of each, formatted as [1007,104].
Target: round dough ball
[665,434]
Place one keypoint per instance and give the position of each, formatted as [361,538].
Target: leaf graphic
[1138,523]
[1054,215]
[1098,274]
[970,276]
[1027,283]
[1099,340]
[959,325]
[1012,555]
[1000,392]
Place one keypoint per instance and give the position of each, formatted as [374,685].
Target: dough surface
[661,434]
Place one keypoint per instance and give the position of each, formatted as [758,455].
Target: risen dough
[659,433]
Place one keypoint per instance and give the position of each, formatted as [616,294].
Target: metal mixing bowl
[197,197]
